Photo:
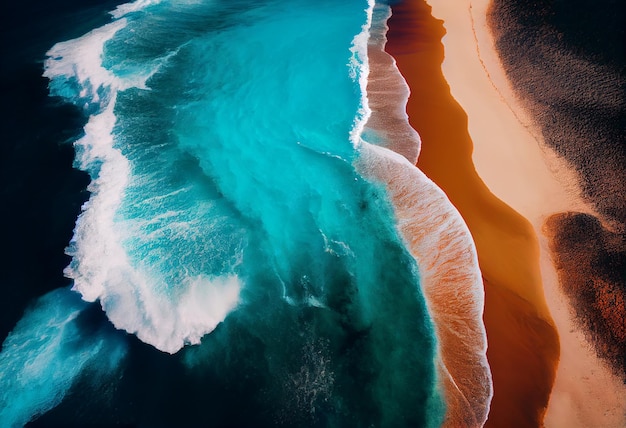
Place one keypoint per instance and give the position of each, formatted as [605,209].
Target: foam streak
[436,236]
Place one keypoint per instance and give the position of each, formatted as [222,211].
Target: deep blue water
[242,272]
[41,192]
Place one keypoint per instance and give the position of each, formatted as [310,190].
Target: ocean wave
[135,297]
[49,349]
[387,93]
[438,238]
[224,190]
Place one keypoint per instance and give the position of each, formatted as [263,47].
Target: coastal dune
[568,67]
[523,343]
[483,148]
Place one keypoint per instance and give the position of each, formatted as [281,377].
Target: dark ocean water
[41,192]
[224,212]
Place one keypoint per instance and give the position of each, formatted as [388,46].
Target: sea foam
[223,174]
[47,351]
[451,280]
[387,91]
[101,268]
[436,236]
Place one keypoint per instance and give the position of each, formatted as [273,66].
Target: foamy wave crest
[46,353]
[359,72]
[164,309]
[387,92]
[126,8]
[76,72]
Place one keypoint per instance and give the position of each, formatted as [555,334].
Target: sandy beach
[568,68]
[480,147]
[436,236]
[516,316]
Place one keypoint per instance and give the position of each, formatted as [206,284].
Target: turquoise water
[226,214]
[54,342]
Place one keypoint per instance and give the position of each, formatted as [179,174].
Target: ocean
[200,247]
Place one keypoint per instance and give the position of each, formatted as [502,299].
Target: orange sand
[512,160]
[436,236]
[523,343]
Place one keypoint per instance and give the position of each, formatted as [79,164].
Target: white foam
[438,238]
[133,297]
[126,8]
[388,93]
[94,246]
[382,88]
[81,58]
[137,299]
[359,70]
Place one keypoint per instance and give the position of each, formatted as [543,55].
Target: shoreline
[523,343]
[510,161]
[586,391]
[450,277]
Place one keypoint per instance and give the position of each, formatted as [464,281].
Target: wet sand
[509,155]
[523,344]
[435,234]
[450,279]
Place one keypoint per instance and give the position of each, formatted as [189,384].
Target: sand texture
[570,74]
[520,331]
[491,127]
[436,236]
